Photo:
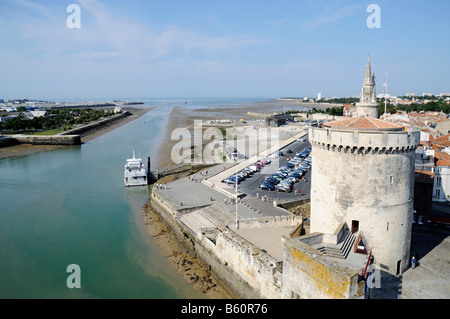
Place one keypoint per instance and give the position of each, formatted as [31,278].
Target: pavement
[230,191]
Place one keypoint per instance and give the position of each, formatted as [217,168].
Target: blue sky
[136,49]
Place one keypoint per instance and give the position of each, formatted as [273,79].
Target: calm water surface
[69,206]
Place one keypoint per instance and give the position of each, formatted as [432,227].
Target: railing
[355,247]
[364,270]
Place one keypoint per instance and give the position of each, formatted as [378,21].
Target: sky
[133,49]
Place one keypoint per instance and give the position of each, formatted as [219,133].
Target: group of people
[161,186]
[195,179]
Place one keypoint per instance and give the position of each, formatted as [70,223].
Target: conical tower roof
[368,75]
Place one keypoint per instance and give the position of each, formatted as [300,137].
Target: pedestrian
[225,200]
[299,192]
[165,186]
[295,192]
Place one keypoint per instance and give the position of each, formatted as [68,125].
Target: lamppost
[236,183]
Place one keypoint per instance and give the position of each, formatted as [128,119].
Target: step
[348,244]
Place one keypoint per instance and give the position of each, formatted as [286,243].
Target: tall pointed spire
[368,75]
[367,105]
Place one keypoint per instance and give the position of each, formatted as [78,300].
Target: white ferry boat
[135,173]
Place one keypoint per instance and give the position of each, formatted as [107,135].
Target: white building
[441,186]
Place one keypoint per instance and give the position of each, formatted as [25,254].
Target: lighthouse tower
[368,105]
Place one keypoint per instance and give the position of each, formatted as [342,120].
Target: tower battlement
[363,141]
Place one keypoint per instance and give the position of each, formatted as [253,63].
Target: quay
[225,230]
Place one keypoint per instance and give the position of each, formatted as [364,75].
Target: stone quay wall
[308,274]
[67,140]
[245,269]
[93,126]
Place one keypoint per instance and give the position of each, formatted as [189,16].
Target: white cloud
[334,13]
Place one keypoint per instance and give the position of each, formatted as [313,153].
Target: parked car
[271,180]
[295,175]
[290,165]
[290,180]
[267,185]
[283,187]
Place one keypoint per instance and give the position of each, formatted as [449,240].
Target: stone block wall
[308,274]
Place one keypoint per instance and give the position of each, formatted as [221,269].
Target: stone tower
[368,105]
[363,175]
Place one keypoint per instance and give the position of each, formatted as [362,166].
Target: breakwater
[66,140]
[85,129]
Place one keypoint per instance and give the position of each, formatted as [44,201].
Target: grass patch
[53,132]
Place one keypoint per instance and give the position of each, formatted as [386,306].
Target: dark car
[271,180]
[289,151]
[267,185]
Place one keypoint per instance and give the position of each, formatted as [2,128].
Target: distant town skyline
[179,49]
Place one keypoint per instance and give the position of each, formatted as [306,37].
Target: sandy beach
[28,149]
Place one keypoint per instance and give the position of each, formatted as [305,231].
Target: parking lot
[250,185]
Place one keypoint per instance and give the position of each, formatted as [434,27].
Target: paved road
[250,186]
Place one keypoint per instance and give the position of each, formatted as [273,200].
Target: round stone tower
[363,175]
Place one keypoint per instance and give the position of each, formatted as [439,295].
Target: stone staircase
[338,251]
[206,217]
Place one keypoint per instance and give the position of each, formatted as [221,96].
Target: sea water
[69,206]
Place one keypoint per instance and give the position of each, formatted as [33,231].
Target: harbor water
[69,206]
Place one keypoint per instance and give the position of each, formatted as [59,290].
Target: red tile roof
[364,123]
[442,159]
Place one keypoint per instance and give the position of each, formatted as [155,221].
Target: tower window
[391,179]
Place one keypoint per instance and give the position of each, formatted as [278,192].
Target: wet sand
[187,264]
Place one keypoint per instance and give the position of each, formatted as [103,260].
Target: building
[319,96]
[348,110]
[441,186]
[423,195]
[279,119]
[367,105]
